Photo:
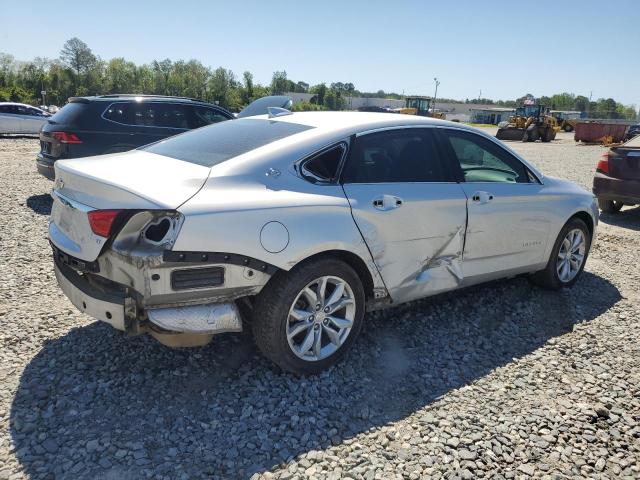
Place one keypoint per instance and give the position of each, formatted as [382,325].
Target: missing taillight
[156,232]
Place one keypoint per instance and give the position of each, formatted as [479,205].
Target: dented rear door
[411,215]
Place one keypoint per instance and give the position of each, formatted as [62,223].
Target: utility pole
[435,95]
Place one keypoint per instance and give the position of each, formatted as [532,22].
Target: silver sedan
[297,224]
[18,118]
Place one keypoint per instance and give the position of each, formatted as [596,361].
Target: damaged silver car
[296,224]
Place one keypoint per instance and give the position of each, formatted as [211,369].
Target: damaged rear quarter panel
[229,214]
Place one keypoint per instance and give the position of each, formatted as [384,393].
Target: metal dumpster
[593,132]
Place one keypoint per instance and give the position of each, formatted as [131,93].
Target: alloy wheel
[571,255]
[320,318]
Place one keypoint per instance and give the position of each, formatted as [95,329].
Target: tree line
[78,71]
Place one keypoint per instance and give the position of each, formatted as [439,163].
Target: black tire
[548,134]
[271,311]
[548,278]
[610,206]
[568,128]
[531,134]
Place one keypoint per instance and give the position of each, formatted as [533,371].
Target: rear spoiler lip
[79,100]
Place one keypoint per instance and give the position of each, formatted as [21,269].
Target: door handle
[482,197]
[387,202]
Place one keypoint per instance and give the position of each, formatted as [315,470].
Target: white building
[490,115]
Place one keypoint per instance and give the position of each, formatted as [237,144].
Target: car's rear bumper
[621,190]
[119,306]
[100,304]
[45,166]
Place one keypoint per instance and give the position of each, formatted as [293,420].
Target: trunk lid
[624,162]
[135,180]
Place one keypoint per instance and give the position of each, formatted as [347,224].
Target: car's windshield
[217,143]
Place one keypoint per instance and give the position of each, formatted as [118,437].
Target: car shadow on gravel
[41,204]
[626,218]
[94,404]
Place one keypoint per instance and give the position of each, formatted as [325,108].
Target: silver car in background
[18,118]
[296,224]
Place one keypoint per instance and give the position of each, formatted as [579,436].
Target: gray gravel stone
[498,381]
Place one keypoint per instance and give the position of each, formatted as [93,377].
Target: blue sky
[503,48]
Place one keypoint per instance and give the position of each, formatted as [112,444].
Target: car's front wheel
[306,319]
[568,257]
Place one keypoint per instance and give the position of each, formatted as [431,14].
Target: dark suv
[89,126]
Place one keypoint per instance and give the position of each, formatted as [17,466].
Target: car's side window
[394,156]
[202,116]
[120,113]
[171,115]
[324,166]
[4,109]
[482,161]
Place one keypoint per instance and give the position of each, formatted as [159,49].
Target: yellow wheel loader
[420,106]
[566,120]
[530,123]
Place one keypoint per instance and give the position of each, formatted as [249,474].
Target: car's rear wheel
[610,206]
[306,319]
[568,257]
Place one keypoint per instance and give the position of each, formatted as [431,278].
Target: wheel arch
[353,260]
[586,218]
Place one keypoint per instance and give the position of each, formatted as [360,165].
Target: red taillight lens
[101,221]
[603,164]
[66,137]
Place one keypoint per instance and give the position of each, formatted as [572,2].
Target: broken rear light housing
[101,221]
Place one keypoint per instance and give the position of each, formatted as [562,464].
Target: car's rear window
[69,113]
[217,143]
[634,142]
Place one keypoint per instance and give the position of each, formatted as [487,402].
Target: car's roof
[335,125]
[337,121]
[139,98]
[20,105]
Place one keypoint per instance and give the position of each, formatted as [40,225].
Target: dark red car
[617,180]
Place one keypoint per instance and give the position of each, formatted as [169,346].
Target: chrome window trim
[398,127]
[298,166]
[160,103]
[395,127]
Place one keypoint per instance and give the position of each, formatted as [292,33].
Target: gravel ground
[504,380]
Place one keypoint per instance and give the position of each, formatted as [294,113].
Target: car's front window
[219,142]
[483,161]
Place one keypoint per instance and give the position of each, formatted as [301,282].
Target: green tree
[221,84]
[247,90]
[279,83]
[77,55]
[161,73]
[120,76]
[319,91]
